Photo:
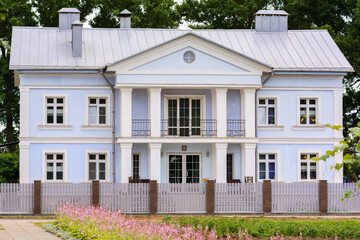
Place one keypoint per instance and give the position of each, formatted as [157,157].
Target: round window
[189,57]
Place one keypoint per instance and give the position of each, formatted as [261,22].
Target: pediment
[210,58]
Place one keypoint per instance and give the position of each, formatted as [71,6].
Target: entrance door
[184,168]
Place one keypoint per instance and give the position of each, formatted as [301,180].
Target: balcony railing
[235,128]
[141,127]
[187,127]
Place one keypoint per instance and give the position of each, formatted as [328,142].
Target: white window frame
[44,161]
[277,110]
[277,164]
[107,164]
[132,164]
[44,112]
[87,122]
[318,111]
[318,164]
[184,166]
[202,103]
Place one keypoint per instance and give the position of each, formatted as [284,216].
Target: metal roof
[68,10]
[295,50]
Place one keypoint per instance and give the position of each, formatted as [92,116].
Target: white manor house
[177,106]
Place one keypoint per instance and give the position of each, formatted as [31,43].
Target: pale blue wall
[233,104]
[235,149]
[304,81]
[140,104]
[289,159]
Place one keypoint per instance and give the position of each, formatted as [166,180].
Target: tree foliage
[9,167]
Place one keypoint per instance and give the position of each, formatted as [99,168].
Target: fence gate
[181,198]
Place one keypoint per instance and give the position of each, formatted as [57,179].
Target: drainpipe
[102,72]
[256,120]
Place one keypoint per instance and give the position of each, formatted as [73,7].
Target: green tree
[211,14]
[145,13]
[9,167]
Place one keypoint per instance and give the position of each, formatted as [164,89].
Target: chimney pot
[271,21]
[125,19]
[67,16]
[77,28]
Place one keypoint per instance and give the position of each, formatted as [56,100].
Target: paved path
[23,229]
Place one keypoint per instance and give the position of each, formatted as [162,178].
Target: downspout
[256,120]
[102,72]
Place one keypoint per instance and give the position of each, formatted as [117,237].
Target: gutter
[256,120]
[102,73]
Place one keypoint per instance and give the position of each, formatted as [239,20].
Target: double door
[184,168]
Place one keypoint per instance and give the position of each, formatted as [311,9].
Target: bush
[260,227]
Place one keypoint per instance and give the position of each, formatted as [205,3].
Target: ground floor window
[136,166]
[54,166]
[229,166]
[267,166]
[184,168]
[97,166]
[308,167]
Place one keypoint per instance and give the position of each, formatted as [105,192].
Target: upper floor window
[308,111]
[267,166]
[267,111]
[308,167]
[98,111]
[55,110]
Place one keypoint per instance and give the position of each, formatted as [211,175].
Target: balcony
[187,127]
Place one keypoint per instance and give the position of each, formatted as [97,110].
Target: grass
[41,224]
[262,227]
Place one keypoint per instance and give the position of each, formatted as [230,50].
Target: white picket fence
[55,195]
[238,197]
[126,197]
[182,198]
[336,192]
[16,197]
[295,197]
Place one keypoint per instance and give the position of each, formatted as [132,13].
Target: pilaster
[248,160]
[154,111]
[125,112]
[248,111]
[125,161]
[221,111]
[154,164]
[220,151]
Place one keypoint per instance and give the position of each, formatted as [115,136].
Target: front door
[184,168]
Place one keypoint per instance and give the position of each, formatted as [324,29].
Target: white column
[125,112]
[24,111]
[338,111]
[220,111]
[24,148]
[338,175]
[248,111]
[125,162]
[154,111]
[154,161]
[248,162]
[219,164]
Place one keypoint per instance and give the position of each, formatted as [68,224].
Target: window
[184,116]
[229,166]
[267,111]
[308,111]
[267,166]
[308,167]
[54,166]
[97,166]
[136,166]
[189,57]
[55,110]
[98,111]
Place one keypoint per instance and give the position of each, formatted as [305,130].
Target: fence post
[37,197]
[153,195]
[323,196]
[95,193]
[210,196]
[267,196]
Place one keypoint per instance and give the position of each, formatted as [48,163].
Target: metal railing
[140,127]
[187,127]
[235,128]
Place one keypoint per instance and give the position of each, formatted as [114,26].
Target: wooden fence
[165,198]
[181,198]
[238,197]
[295,197]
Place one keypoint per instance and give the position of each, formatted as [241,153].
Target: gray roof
[295,50]
[68,10]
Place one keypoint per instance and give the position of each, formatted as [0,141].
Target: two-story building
[177,106]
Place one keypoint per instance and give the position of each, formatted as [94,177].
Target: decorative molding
[55,127]
[302,88]
[96,128]
[298,140]
[270,128]
[308,128]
